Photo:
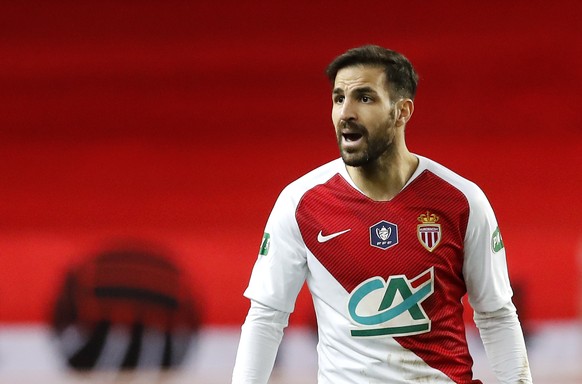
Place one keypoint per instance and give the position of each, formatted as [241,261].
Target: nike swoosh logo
[323,238]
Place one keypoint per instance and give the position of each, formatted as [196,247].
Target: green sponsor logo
[265,244]
[496,241]
[392,307]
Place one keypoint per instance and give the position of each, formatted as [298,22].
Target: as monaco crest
[429,232]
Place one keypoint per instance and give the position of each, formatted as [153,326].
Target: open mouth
[351,137]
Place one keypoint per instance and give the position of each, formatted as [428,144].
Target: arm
[490,293]
[260,338]
[277,277]
[504,344]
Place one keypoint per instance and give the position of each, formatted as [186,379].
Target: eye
[366,99]
[339,99]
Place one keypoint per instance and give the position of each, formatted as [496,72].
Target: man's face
[362,114]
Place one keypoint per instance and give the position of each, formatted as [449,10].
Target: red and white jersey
[387,277]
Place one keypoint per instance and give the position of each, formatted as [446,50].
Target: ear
[404,109]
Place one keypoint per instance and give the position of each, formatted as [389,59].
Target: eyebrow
[358,91]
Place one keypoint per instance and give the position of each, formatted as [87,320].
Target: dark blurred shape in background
[128,307]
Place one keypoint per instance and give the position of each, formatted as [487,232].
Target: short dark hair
[401,77]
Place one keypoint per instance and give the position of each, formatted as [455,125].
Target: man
[388,242]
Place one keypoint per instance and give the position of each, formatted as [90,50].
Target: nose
[348,111]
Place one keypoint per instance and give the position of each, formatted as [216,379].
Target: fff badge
[383,235]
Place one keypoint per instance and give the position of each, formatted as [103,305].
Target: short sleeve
[281,267]
[485,266]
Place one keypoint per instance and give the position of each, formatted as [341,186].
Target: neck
[384,178]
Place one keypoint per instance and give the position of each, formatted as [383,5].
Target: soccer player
[389,242]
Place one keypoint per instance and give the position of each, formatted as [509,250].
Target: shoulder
[290,197]
[320,175]
[472,192]
[282,218]
[481,219]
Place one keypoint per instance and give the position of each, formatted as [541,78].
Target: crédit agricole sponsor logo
[392,307]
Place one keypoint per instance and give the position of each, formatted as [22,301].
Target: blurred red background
[178,123]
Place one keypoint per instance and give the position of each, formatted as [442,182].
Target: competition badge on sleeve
[265,244]
[496,241]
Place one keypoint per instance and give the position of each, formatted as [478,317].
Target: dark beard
[376,148]
[376,145]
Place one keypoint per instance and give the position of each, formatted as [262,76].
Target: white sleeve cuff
[504,344]
[260,338]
